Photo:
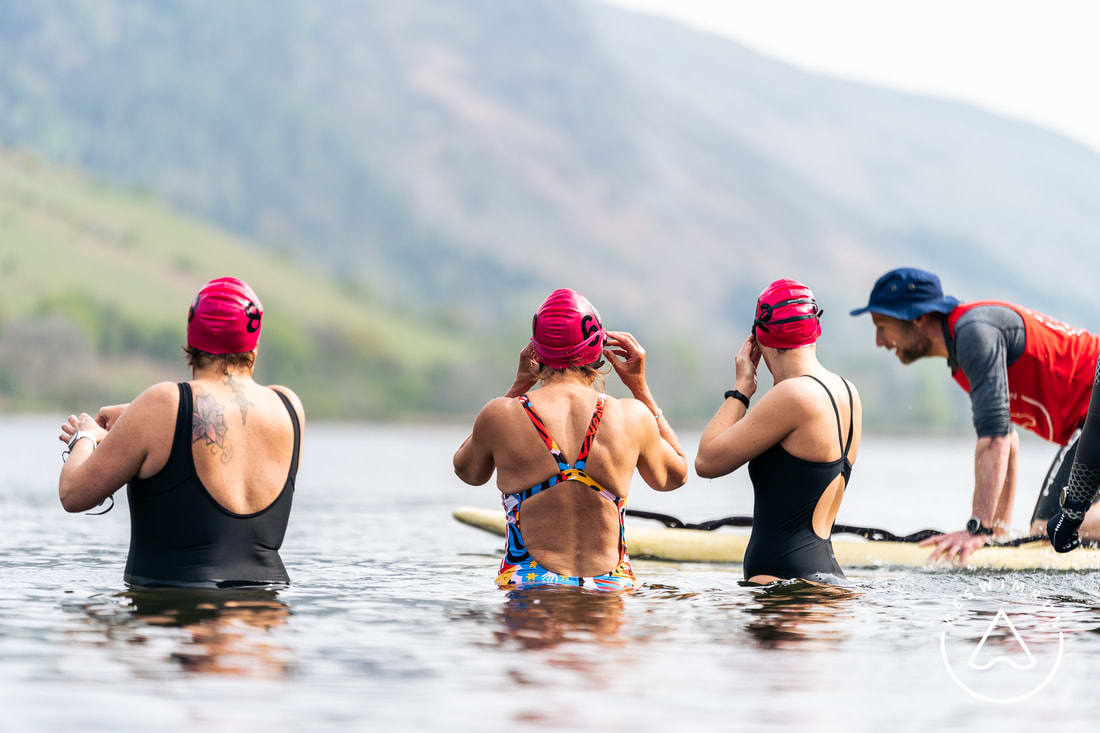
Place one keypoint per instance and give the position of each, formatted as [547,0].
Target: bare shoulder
[857,404]
[158,397]
[499,405]
[151,411]
[838,390]
[855,391]
[632,409]
[634,413]
[496,412]
[793,394]
[290,395]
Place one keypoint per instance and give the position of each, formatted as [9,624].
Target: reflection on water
[795,613]
[225,632]
[377,638]
[539,618]
[786,614]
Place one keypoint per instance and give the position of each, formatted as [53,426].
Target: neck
[933,330]
[793,363]
[218,374]
[567,379]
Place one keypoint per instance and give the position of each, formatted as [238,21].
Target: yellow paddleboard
[695,545]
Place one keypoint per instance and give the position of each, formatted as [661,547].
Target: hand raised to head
[745,363]
[627,358]
[527,372]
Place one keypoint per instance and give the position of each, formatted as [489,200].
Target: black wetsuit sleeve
[982,353]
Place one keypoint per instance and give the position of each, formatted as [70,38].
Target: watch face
[1062,496]
[972,525]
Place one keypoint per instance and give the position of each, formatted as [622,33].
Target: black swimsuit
[787,490]
[181,536]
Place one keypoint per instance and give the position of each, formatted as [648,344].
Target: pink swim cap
[787,316]
[225,318]
[566,330]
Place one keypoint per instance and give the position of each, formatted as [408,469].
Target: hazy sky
[1038,60]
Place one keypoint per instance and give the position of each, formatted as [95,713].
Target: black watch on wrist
[974,526]
[739,396]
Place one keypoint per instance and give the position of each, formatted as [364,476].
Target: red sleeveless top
[1050,383]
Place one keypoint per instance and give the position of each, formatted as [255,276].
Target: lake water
[393,621]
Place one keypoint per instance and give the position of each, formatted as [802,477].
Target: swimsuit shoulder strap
[540,428]
[836,413]
[297,433]
[851,418]
[180,459]
[590,435]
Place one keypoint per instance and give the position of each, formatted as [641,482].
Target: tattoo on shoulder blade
[208,425]
[238,397]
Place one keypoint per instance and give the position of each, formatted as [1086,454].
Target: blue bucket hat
[908,293]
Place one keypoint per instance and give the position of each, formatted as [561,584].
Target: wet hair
[198,359]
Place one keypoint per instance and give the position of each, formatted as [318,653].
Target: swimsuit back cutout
[846,465]
[516,549]
[786,492]
[181,536]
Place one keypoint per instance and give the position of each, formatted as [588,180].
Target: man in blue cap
[1018,366]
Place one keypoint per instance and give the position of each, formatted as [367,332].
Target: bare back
[819,439]
[570,529]
[242,442]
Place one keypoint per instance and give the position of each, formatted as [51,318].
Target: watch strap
[975,527]
[739,396]
[79,434]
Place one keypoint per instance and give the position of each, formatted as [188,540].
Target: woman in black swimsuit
[800,440]
[211,463]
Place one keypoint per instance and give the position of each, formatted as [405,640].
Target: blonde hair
[594,376]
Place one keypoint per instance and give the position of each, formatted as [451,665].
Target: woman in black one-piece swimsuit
[800,441]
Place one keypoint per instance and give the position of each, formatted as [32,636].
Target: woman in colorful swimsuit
[564,455]
[800,441]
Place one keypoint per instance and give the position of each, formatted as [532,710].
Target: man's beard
[920,347]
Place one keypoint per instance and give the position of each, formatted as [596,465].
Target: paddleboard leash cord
[869,533]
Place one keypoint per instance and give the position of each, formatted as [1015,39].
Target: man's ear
[928,321]
[925,319]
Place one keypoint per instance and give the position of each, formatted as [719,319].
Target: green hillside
[95,284]
[479,153]
[452,162]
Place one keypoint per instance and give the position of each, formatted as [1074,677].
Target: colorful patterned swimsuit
[518,568]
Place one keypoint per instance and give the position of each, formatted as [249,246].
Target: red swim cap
[225,318]
[787,316]
[566,330]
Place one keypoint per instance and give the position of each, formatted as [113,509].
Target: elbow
[704,469]
[469,476]
[76,497]
[675,477]
[69,499]
[71,507]
[712,467]
[459,466]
